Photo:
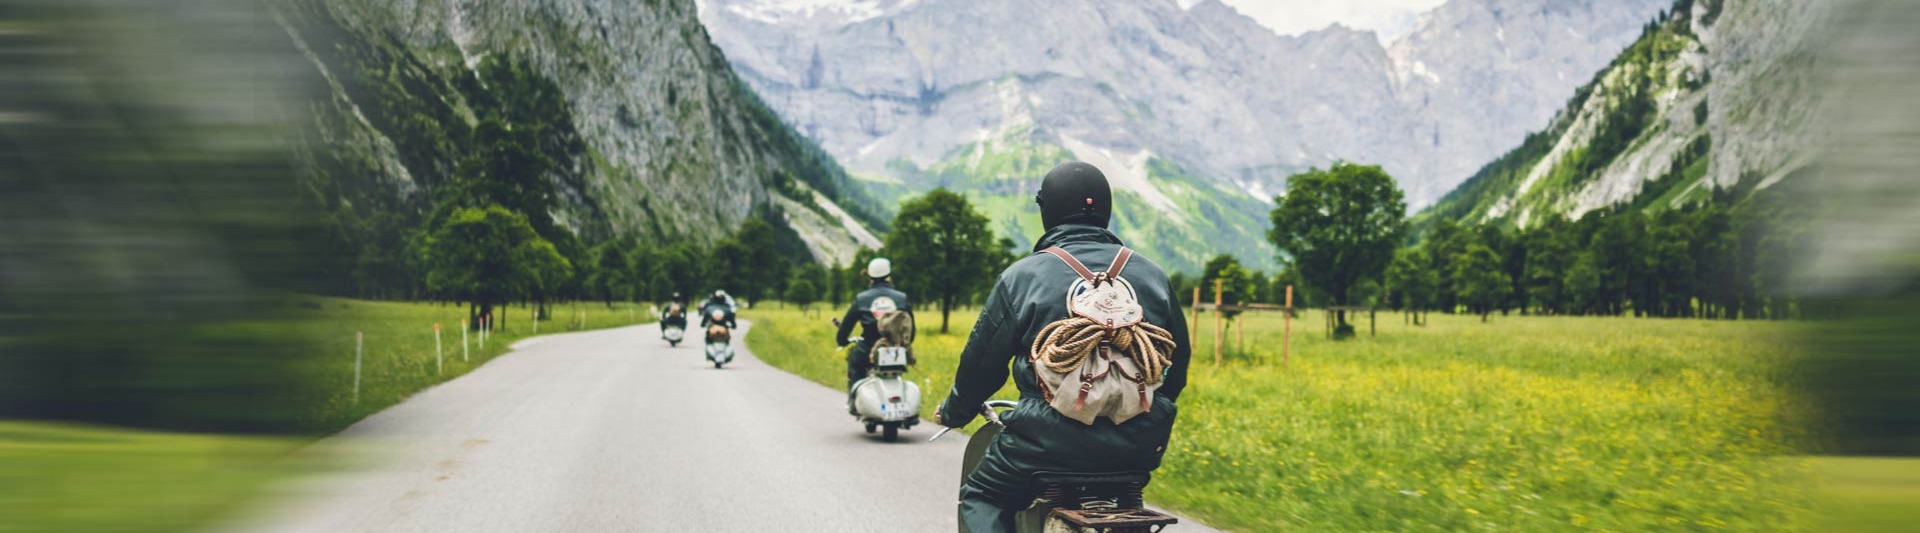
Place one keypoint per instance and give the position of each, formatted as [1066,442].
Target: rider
[1076,205]
[879,298]
[722,303]
[675,312]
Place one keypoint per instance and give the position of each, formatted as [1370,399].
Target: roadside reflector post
[463,340]
[439,363]
[536,322]
[1219,320]
[359,345]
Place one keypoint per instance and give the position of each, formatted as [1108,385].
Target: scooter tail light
[895,399]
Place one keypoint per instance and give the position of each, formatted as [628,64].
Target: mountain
[1714,95]
[653,135]
[1197,113]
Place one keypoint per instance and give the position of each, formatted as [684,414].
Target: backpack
[896,332]
[1103,360]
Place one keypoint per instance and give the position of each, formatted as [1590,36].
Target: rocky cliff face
[900,89]
[1714,95]
[670,144]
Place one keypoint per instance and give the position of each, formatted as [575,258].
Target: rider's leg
[856,364]
[993,495]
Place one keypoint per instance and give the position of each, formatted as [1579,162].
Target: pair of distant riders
[1104,353]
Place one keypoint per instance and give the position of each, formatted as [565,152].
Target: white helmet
[879,267]
[719,294]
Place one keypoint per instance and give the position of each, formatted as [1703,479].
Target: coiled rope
[1065,344]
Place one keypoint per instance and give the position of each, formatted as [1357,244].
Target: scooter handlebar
[990,410]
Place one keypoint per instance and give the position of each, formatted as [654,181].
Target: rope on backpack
[1065,344]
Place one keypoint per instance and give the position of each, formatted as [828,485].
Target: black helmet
[1075,193]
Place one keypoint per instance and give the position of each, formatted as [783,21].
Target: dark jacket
[706,314]
[862,313]
[1028,296]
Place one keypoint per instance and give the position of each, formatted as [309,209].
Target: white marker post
[359,344]
[463,340]
[536,322]
[439,363]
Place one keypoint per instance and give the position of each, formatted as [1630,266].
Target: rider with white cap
[880,298]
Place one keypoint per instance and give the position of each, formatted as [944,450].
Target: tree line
[1345,241]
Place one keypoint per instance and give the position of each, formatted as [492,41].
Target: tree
[483,256]
[1412,278]
[611,271]
[1237,284]
[802,292]
[1548,249]
[1479,280]
[1446,241]
[1339,226]
[943,248]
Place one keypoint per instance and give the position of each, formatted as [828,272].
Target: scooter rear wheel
[890,432]
[872,428]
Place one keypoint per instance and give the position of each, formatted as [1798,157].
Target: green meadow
[1521,423]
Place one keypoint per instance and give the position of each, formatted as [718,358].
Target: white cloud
[1389,18]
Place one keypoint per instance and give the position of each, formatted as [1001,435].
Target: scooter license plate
[895,412]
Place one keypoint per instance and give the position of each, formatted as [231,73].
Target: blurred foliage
[144,181]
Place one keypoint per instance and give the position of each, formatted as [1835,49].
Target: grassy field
[399,355]
[1524,423]
[61,477]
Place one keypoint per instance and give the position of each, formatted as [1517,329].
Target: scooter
[673,332]
[885,401]
[1070,502]
[719,341]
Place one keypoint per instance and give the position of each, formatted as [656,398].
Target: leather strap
[1113,272]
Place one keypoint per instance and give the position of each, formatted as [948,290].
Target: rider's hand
[937,419]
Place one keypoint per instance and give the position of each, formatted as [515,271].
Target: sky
[1389,18]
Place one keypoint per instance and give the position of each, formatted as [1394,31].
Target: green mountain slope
[1176,218]
[654,137]
[1711,97]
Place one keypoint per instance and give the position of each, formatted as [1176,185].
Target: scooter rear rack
[1115,520]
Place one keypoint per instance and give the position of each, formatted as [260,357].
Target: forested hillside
[600,148]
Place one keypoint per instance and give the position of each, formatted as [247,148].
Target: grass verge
[1522,423]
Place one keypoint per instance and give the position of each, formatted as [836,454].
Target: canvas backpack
[896,333]
[1104,360]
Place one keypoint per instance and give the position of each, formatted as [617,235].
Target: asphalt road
[614,431]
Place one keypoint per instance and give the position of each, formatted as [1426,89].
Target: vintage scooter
[1069,502]
[885,401]
[719,340]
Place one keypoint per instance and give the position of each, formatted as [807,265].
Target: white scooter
[719,341]
[673,334]
[884,400]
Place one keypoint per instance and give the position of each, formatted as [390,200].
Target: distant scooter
[719,340]
[1070,502]
[673,328]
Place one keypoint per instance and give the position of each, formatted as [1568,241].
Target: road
[612,430]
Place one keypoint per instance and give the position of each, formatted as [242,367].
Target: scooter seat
[1072,490]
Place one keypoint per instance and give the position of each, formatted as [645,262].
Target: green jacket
[1027,297]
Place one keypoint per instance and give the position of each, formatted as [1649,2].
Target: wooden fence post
[359,344]
[1219,321]
[1286,345]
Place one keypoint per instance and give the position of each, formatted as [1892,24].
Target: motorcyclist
[674,313]
[719,302]
[1076,206]
[879,298]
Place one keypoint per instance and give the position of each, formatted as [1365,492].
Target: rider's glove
[942,420]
